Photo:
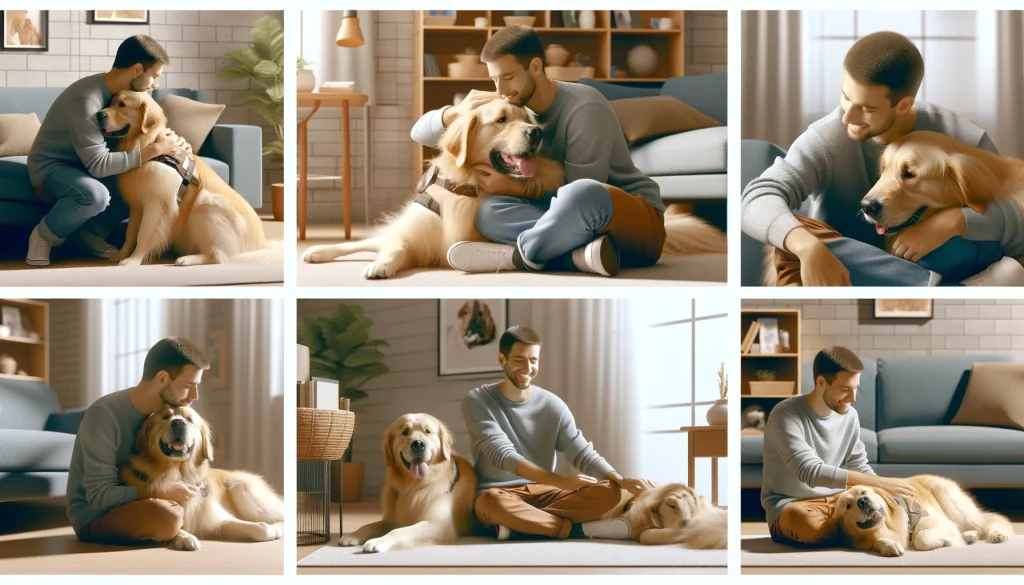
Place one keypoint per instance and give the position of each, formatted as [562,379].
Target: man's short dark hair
[522,42]
[888,59]
[171,355]
[139,49]
[517,334]
[833,360]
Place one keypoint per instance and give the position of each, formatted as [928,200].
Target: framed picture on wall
[216,378]
[467,335]
[118,17]
[904,309]
[26,30]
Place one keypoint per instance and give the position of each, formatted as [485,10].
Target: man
[813,452]
[836,161]
[607,214]
[99,507]
[516,430]
[70,165]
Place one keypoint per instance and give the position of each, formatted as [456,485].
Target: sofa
[905,404]
[36,440]
[755,158]
[689,167]
[233,151]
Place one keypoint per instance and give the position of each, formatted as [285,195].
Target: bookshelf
[605,45]
[32,355]
[785,364]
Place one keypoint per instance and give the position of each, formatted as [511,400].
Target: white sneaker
[504,533]
[38,250]
[615,528]
[598,257]
[93,243]
[1006,272]
[483,257]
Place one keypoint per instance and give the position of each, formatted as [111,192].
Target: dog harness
[186,169]
[203,490]
[914,511]
[451,488]
[433,177]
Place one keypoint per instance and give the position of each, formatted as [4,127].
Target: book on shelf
[748,339]
[430,66]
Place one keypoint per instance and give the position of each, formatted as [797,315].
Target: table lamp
[349,34]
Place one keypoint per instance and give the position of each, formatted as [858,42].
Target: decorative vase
[588,19]
[305,81]
[8,365]
[277,198]
[352,474]
[642,61]
[556,55]
[718,414]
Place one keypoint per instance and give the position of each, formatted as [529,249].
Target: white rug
[148,275]
[760,551]
[487,552]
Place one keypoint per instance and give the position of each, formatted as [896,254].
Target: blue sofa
[905,404]
[235,152]
[36,440]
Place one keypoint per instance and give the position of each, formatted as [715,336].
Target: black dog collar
[914,218]
[186,169]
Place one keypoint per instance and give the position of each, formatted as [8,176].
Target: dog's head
[475,323]
[131,114]
[175,434]
[668,506]
[414,442]
[496,133]
[865,514]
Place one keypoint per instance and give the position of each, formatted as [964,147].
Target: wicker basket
[322,434]
[772,388]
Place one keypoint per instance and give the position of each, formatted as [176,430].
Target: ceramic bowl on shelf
[468,58]
[556,55]
[523,20]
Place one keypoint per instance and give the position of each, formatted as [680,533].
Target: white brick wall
[195,40]
[706,41]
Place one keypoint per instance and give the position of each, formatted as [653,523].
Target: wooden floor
[35,538]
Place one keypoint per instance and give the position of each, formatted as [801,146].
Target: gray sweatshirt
[807,455]
[105,441]
[581,132]
[70,135]
[835,172]
[503,432]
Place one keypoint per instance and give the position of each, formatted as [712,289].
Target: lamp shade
[349,35]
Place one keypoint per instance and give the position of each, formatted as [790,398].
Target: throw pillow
[17,132]
[649,117]
[994,396]
[190,119]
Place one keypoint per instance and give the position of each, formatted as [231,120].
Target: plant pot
[277,199]
[352,481]
[718,414]
[305,81]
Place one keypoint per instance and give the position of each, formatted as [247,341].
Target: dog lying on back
[673,514]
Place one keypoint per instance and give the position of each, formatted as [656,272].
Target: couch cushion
[994,397]
[951,444]
[23,100]
[751,449]
[866,396]
[25,405]
[650,117]
[706,93]
[692,187]
[870,440]
[220,167]
[22,450]
[14,182]
[687,153]
[918,391]
[17,132]
[617,91]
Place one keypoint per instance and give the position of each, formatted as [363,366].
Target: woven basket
[322,434]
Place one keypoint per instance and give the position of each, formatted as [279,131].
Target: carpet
[760,551]
[487,552]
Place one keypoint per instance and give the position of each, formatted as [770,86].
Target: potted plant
[718,414]
[340,348]
[305,80]
[766,375]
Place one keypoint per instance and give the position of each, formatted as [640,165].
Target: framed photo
[118,17]
[26,30]
[467,335]
[768,335]
[904,308]
[10,318]
[216,378]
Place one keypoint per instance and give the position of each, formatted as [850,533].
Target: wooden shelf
[32,356]
[771,355]
[787,366]
[24,378]
[767,395]
[457,79]
[23,340]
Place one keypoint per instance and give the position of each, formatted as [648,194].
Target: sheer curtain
[771,72]
[1009,82]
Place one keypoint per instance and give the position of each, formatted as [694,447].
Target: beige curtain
[1009,83]
[771,76]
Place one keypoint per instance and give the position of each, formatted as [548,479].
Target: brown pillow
[647,117]
[190,119]
[994,396]
[17,131]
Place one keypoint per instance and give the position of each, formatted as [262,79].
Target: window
[130,328]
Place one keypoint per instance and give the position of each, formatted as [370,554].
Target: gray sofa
[905,404]
[235,152]
[36,440]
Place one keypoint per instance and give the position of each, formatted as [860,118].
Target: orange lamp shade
[349,35]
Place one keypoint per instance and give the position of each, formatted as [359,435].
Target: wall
[67,359]
[195,40]
[959,327]
[706,41]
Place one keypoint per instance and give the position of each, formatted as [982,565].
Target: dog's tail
[687,235]
[709,530]
[271,253]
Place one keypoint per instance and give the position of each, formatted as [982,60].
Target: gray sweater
[807,455]
[835,173]
[70,135]
[503,432]
[105,441]
[581,132]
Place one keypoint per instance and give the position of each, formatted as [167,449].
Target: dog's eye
[907,173]
[671,505]
[120,105]
[167,416]
[502,120]
[429,431]
[405,433]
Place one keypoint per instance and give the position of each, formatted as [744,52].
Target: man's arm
[429,128]
[577,451]
[98,442]
[857,459]
[490,442]
[91,147]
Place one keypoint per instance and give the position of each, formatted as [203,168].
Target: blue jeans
[78,197]
[955,261]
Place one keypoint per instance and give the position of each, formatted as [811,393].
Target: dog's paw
[889,548]
[130,262]
[378,270]
[268,532]
[194,260]
[970,536]
[185,541]
[997,536]
[377,545]
[349,540]
[317,255]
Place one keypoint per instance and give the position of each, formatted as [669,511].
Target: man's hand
[179,491]
[917,241]
[474,100]
[635,485]
[895,486]
[491,181]
[818,265]
[573,482]
[166,143]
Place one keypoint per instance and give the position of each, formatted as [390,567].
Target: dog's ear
[975,180]
[206,444]
[385,447]
[142,439]
[151,115]
[447,442]
[464,309]
[458,137]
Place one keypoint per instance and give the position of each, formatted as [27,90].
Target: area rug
[760,551]
[487,552]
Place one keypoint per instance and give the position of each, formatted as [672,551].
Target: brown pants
[543,509]
[139,521]
[808,523]
[787,265]
[636,228]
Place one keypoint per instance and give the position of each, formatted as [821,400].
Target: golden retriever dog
[175,445]
[941,514]
[429,491]
[476,323]
[672,514]
[212,224]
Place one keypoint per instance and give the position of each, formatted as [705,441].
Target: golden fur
[672,514]
[213,224]
[420,511]
[238,506]
[953,518]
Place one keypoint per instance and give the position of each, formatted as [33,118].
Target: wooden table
[331,100]
[706,441]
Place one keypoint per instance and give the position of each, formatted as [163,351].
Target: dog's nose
[871,207]
[534,133]
[863,502]
[418,446]
[101,116]
[178,423]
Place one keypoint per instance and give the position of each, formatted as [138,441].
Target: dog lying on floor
[672,514]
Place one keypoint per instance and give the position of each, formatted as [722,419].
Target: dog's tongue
[419,468]
[880,230]
[178,445]
[527,166]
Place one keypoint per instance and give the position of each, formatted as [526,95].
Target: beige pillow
[190,119]
[647,117]
[994,396]
[17,131]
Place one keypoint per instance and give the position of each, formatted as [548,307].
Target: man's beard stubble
[833,404]
[511,376]
[139,83]
[888,125]
[165,395]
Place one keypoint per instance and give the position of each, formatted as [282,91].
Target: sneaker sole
[37,262]
[607,262]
